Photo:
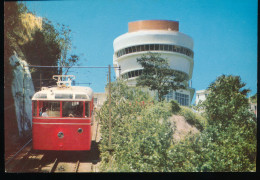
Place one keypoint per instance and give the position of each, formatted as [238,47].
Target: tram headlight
[60,135]
[80,130]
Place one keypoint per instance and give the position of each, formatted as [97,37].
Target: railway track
[54,161]
[29,160]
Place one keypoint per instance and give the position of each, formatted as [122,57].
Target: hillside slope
[182,127]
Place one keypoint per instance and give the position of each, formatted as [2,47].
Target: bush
[175,106]
[192,118]
[141,134]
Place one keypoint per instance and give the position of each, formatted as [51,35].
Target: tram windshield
[72,109]
[50,109]
[54,108]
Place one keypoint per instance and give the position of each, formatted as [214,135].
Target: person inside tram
[44,112]
[71,114]
[40,111]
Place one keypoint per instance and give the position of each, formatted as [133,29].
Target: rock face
[22,91]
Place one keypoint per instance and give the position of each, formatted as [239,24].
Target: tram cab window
[34,108]
[87,109]
[72,109]
[52,108]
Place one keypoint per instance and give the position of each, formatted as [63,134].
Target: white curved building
[159,36]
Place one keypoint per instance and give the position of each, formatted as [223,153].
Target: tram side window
[72,109]
[87,109]
[34,108]
[51,109]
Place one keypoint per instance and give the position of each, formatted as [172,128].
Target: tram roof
[71,93]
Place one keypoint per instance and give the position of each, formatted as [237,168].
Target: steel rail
[77,166]
[17,153]
[52,169]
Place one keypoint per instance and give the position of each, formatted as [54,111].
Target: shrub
[141,134]
[175,106]
[192,118]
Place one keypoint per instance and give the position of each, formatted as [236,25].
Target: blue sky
[224,34]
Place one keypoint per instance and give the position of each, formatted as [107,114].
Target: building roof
[153,25]
[202,91]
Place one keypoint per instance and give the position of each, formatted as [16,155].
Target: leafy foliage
[38,41]
[157,75]
[65,42]
[226,103]
[175,106]
[43,50]
[229,141]
[254,98]
[12,27]
[141,134]
[192,118]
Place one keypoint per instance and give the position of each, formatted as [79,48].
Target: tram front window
[34,108]
[72,109]
[50,109]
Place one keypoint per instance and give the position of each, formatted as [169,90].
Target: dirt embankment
[182,128]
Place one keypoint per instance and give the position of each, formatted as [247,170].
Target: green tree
[227,102]
[65,41]
[254,98]
[158,76]
[12,36]
[43,50]
[229,142]
[141,133]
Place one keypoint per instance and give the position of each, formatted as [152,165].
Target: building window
[181,50]
[155,47]
[137,48]
[131,74]
[122,52]
[136,73]
[161,47]
[169,96]
[170,47]
[130,50]
[146,48]
[134,48]
[152,47]
[182,99]
[166,47]
[174,49]
[142,48]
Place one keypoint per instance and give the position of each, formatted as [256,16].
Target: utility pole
[119,72]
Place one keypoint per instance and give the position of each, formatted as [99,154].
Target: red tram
[62,116]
